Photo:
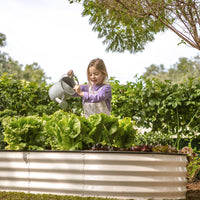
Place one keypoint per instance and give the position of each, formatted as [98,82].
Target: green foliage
[66,131]
[4,114]
[2,40]
[74,105]
[111,131]
[26,98]
[120,29]
[29,98]
[24,133]
[9,66]
[193,168]
[153,139]
[119,107]
[131,24]
[126,137]
[166,108]
[169,110]
[180,72]
[32,72]
[102,128]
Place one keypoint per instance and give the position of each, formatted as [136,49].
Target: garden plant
[147,115]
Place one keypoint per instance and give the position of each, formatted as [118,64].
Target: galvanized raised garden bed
[123,175]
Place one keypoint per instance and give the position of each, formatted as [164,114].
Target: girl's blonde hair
[99,65]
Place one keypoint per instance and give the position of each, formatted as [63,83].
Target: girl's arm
[102,95]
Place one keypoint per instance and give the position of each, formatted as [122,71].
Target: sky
[53,34]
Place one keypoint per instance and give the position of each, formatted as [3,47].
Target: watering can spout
[58,100]
[63,104]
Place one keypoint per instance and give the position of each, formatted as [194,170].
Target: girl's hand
[70,72]
[78,90]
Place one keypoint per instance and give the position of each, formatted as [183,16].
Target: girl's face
[95,76]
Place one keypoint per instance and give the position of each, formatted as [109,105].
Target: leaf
[154,102]
[74,127]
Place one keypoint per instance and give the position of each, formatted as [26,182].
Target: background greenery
[162,102]
[161,107]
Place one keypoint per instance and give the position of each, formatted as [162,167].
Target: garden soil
[193,190]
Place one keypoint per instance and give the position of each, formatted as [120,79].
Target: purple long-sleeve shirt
[104,95]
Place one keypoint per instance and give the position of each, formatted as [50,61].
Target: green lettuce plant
[67,131]
[24,133]
[111,131]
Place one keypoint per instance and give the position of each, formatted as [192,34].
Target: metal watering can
[63,89]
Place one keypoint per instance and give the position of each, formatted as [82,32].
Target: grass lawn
[30,196]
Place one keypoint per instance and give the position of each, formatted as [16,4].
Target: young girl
[96,94]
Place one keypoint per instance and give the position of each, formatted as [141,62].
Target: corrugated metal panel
[14,171]
[135,175]
[122,175]
[57,172]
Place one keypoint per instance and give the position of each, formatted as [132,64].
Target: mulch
[193,190]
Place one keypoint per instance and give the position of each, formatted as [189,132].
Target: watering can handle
[74,77]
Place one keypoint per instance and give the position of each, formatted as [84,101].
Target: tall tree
[32,73]
[2,40]
[179,72]
[154,70]
[130,24]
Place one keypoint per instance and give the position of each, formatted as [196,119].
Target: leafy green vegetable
[67,131]
[24,133]
[111,131]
